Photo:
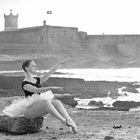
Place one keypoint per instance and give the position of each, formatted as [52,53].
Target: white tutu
[18,107]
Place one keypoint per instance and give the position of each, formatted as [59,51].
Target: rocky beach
[102,123]
[92,125]
[101,94]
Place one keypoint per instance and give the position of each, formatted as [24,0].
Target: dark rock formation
[11,86]
[131,88]
[99,104]
[108,138]
[20,125]
[117,105]
[126,104]
[68,100]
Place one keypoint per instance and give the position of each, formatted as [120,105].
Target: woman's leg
[41,108]
[60,108]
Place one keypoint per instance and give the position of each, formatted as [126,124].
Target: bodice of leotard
[37,84]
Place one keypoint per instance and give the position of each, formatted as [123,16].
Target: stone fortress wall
[69,38]
[53,36]
[127,45]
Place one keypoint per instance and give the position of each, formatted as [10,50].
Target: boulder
[67,99]
[126,104]
[108,138]
[96,103]
[20,125]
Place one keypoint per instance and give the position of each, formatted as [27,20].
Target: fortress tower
[11,21]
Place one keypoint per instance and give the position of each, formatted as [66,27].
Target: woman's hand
[54,69]
[64,61]
[60,96]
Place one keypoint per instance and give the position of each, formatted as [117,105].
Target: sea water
[120,75]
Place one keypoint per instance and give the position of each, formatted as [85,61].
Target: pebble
[108,138]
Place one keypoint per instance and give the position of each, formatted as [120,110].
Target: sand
[92,125]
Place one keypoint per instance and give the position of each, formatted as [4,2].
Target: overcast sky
[91,16]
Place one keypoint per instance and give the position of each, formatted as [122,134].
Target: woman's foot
[72,125]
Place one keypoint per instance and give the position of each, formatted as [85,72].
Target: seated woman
[38,100]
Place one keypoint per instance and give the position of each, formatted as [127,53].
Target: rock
[108,138]
[68,100]
[20,125]
[11,86]
[131,88]
[99,104]
[117,126]
[126,104]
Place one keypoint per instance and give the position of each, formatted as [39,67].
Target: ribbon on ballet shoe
[74,129]
[72,126]
[70,130]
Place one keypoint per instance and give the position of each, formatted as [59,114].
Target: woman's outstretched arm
[34,89]
[52,70]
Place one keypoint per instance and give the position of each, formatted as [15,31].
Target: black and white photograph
[69,70]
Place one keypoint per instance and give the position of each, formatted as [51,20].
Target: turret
[11,22]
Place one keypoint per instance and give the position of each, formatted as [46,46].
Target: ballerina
[38,100]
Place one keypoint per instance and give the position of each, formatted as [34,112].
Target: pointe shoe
[72,126]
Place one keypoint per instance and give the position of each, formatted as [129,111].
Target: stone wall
[27,35]
[126,45]
[53,36]
[63,37]
[105,50]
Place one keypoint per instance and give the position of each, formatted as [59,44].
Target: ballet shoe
[72,126]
